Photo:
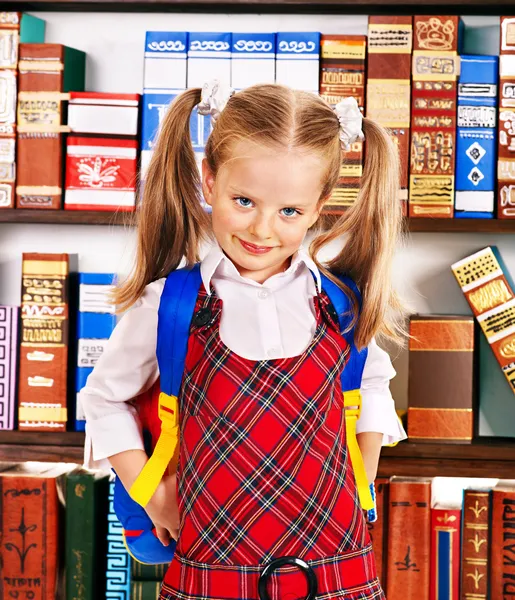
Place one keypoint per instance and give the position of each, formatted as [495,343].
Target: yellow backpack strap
[352,408]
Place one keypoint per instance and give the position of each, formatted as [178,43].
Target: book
[390,45]
[379,529]
[87,497]
[486,283]
[475,545]
[298,60]
[118,573]
[154,107]
[9,316]
[433,116]
[209,57]
[502,565]
[445,553]
[165,63]
[44,342]
[145,590]
[441,349]
[41,120]
[342,74]
[409,539]
[252,59]
[142,572]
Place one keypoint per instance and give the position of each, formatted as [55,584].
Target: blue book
[476,137]
[165,65]
[118,573]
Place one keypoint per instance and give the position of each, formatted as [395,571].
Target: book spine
[44,343]
[475,545]
[342,75]
[502,566]
[165,62]
[441,348]
[118,573]
[252,59]
[379,529]
[8,365]
[297,60]
[445,554]
[484,281]
[476,145]
[209,56]
[145,590]
[506,162]
[433,116]
[390,44]
[154,107]
[144,572]
[9,44]
[409,542]
[30,537]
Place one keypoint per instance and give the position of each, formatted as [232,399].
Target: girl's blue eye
[290,212]
[245,202]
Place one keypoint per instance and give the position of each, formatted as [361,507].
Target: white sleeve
[127,368]
[378,408]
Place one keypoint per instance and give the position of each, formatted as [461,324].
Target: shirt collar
[216,261]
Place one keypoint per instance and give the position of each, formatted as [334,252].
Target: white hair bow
[214,97]
[351,120]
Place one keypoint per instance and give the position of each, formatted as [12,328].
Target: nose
[261,227]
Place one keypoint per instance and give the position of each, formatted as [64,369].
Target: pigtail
[171,220]
[372,229]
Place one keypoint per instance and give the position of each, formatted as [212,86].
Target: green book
[142,572]
[145,590]
[32,29]
[87,505]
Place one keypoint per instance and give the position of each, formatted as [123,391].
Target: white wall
[114,45]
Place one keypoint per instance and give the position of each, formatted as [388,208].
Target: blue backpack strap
[351,383]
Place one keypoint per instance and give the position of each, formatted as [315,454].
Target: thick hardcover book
[502,565]
[475,545]
[8,365]
[154,107]
[379,529]
[252,59]
[44,342]
[118,573]
[209,56]
[145,590]
[433,116]
[102,113]
[87,497]
[95,324]
[445,554]
[409,539]
[441,349]
[298,60]
[476,145]
[31,549]
[342,75]
[486,283]
[165,65]
[390,43]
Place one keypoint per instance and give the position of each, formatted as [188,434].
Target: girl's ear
[208,183]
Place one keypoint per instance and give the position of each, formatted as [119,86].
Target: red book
[379,529]
[445,554]
[475,545]
[502,563]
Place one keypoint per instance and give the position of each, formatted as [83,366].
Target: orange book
[379,529]
[502,563]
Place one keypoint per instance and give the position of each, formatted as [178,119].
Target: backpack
[176,308]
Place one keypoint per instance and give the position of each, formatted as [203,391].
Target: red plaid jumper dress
[264,472]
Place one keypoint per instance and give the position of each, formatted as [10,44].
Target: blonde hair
[172,223]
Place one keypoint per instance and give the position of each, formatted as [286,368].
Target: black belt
[280,562]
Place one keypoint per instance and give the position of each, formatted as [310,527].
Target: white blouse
[275,319]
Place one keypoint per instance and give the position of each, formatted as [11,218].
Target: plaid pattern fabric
[264,472]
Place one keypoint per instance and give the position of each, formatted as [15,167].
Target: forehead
[283,176]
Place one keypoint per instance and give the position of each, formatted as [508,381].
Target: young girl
[263,469]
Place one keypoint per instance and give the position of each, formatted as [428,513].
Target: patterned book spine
[8,362]
[252,59]
[506,162]
[476,145]
[154,107]
[390,41]
[475,545]
[484,280]
[502,566]
[298,60]
[445,554]
[44,342]
[379,529]
[96,322]
[118,574]
[433,116]
[343,74]
[441,349]
[209,57]
[409,541]
[143,572]
[30,538]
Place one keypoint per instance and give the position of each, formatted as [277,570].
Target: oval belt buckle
[280,562]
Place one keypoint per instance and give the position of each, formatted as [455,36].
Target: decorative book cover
[30,542]
[475,545]
[476,145]
[87,505]
[445,554]
[44,342]
[441,351]
[502,566]
[379,529]
[8,365]
[433,116]
[409,539]
[506,162]
[488,289]
[342,75]
[118,574]
[390,44]
[96,322]
[47,72]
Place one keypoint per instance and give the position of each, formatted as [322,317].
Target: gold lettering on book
[434,189]
[492,294]
[388,102]
[507,348]
[438,65]
[432,152]
[435,34]
[476,577]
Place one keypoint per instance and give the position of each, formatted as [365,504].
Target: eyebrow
[238,192]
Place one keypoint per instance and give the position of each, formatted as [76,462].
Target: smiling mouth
[253,249]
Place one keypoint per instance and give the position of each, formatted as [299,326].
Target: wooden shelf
[462,225]
[483,458]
